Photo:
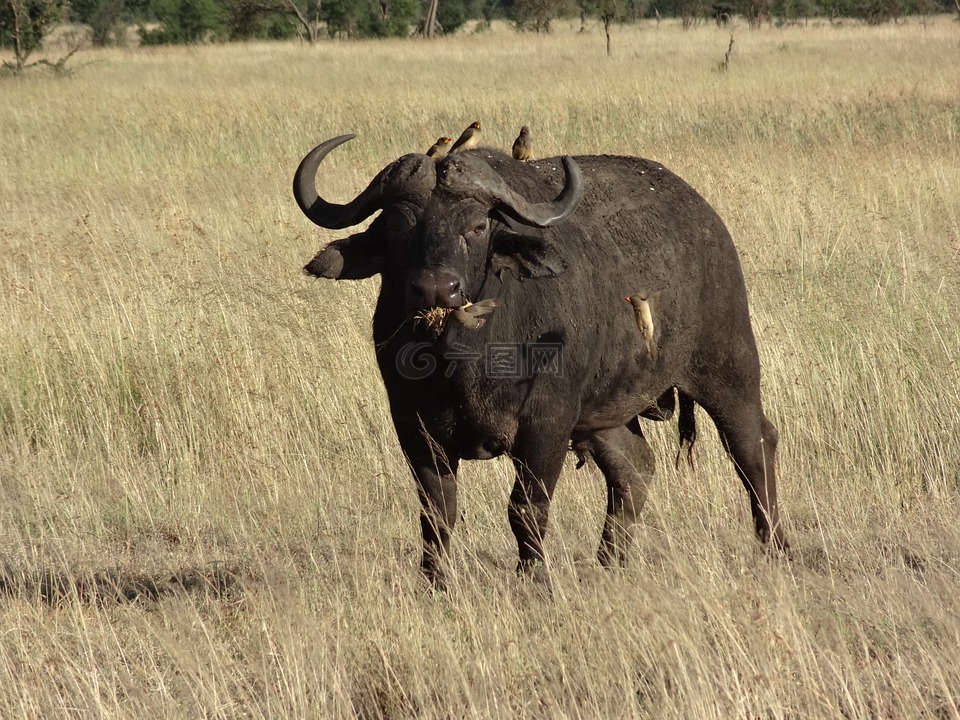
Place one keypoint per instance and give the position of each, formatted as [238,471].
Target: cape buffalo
[557,362]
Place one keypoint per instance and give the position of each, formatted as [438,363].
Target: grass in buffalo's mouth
[434,318]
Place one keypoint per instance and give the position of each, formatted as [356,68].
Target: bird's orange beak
[627,299]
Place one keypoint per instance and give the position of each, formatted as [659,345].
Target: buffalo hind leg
[751,441]
[687,425]
[624,457]
[755,460]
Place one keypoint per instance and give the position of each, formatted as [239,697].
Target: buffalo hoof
[536,571]
[615,542]
[612,557]
[775,540]
[434,574]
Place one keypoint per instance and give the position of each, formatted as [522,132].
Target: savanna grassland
[203,508]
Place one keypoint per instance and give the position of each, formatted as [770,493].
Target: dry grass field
[204,512]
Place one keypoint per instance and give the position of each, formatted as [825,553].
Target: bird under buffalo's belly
[551,247]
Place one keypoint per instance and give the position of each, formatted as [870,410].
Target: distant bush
[106,18]
[185,21]
[252,19]
[451,15]
[371,18]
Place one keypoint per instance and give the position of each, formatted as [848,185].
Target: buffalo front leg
[624,457]
[437,488]
[538,461]
[435,472]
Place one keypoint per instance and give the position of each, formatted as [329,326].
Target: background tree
[371,18]
[185,21]
[23,26]
[307,15]
[690,12]
[634,10]
[791,11]
[755,11]
[267,19]
[452,14]
[106,19]
[537,15]
[430,19]
[488,11]
[875,12]
[609,12]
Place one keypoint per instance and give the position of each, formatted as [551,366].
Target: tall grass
[206,514]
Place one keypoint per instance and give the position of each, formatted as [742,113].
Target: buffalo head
[443,226]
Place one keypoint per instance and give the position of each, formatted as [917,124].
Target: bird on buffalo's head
[440,148]
[469,138]
[523,145]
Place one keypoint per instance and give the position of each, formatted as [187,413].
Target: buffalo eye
[473,231]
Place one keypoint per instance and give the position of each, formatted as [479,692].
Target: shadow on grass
[56,587]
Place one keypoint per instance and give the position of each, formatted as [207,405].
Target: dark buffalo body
[560,363]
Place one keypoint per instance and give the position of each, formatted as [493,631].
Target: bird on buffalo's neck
[523,145]
[469,138]
[440,148]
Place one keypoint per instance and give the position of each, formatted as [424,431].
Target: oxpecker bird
[469,138]
[440,148]
[644,316]
[471,315]
[523,145]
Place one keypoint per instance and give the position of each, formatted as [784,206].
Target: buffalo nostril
[425,288]
[448,286]
[437,289]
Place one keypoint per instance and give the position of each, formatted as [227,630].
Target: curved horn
[321,212]
[409,177]
[545,214]
[466,173]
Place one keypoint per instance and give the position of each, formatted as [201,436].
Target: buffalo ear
[526,255]
[351,258]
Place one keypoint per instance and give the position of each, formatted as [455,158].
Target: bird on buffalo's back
[440,148]
[469,138]
[523,145]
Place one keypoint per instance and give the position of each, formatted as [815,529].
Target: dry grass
[205,512]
